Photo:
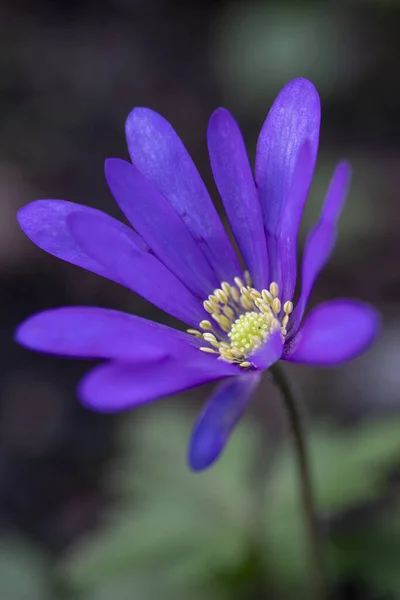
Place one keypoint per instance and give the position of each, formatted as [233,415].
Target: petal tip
[138,117]
[199,463]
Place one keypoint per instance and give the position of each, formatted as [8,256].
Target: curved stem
[307,494]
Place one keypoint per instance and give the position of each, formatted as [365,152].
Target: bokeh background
[94,507]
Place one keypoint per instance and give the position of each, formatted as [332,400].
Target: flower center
[242,320]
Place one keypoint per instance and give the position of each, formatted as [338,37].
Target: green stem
[317,570]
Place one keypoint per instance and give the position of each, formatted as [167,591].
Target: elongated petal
[160,226]
[44,222]
[90,332]
[159,154]
[234,179]
[293,120]
[334,332]
[216,422]
[101,237]
[286,245]
[117,386]
[322,238]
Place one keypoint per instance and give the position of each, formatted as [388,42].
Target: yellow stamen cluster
[243,319]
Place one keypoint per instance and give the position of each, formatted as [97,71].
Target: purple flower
[179,257]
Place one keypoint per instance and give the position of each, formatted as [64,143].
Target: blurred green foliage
[218,534]
[24,573]
[173,534]
[259,46]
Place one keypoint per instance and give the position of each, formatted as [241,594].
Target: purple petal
[290,223]
[101,238]
[334,332]
[159,154]
[44,222]
[216,422]
[321,239]
[90,332]
[235,183]
[293,120]
[160,226]
[118,386]
[268,353]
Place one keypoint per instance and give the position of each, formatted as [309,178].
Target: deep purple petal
[44,222]
[334,332]
[321,239]
[118,386]
[159,154]
[219,417]
[293,120]
[268,353]
[101,238]
[160,226]
[90,332]
[290,223]
[235,183]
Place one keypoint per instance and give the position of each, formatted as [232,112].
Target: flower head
[178,256]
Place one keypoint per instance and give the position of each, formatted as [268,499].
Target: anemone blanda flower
[179,257]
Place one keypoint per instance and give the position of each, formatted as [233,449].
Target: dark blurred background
[95,507]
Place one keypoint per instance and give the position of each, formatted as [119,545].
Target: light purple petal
[160,226]
[101,238]
[219,417]
[293,120]
[159,154]
[322,238]
[334,332]
[268,353]
[118,386]
[90,332]
[44,222]
[235,183]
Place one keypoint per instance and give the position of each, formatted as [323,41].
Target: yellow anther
[235,294]
[288,307]
[262,306]
[228,312]
[226,288]
[245,364]
[247,278]
[236,352]
[221,296]
[224,322]
[194,332]
[208,350]
[224,345]
[255,294]
[274,289]
[238,282]
[276,306]
[209,337]
[246,302]
[206,325]
[267,296]
[285,321]
[208,306]
[213,299]
[212,341]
